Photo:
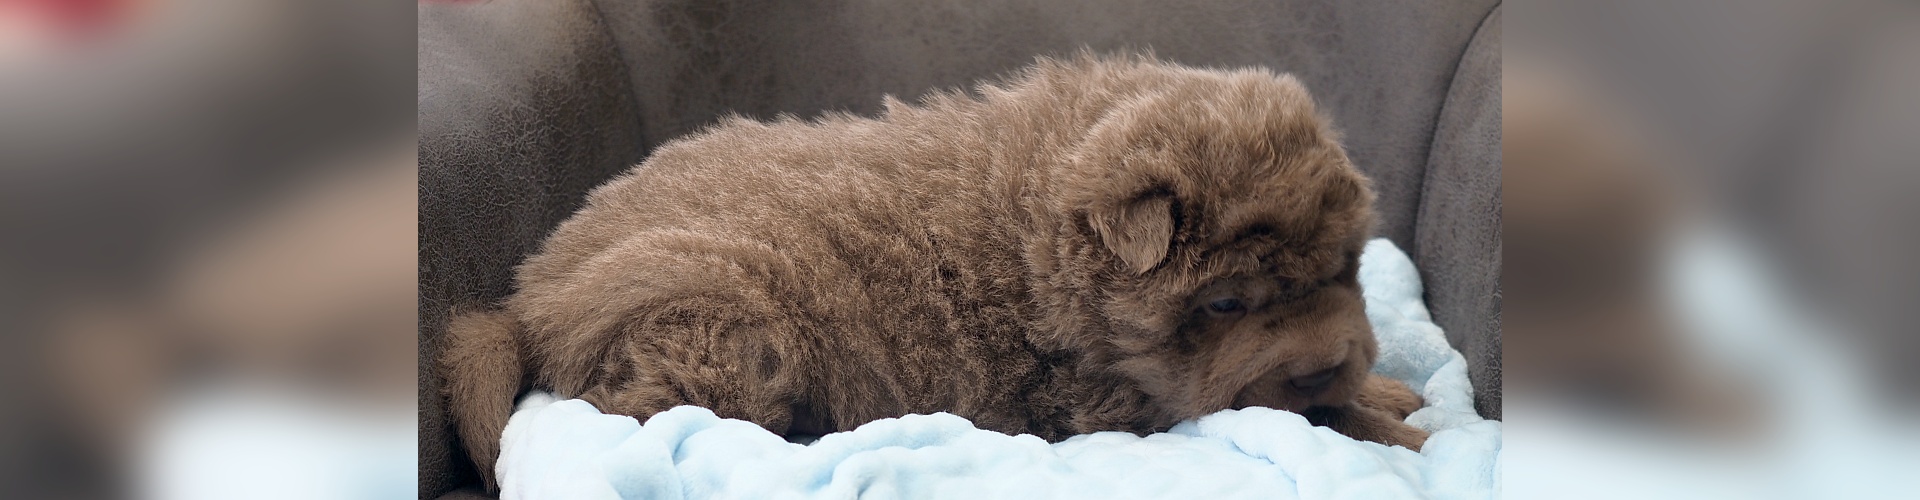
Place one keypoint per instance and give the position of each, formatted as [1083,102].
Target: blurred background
[207,268]
[1709,237]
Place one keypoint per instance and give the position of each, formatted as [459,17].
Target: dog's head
[1224,224]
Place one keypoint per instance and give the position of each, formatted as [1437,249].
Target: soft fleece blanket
[567,449]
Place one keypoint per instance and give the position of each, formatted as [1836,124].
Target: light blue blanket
[567,449]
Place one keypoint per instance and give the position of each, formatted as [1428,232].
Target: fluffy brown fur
[1096,244]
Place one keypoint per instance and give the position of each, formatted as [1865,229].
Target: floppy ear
[1138,231]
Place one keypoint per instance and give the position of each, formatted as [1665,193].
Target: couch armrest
[1457,235]
[524,106]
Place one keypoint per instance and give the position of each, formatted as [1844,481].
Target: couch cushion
[1458,247]
[527,104]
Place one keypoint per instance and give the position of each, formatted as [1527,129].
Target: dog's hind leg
[673,319]
[712,361]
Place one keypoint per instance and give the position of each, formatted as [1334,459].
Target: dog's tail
[484,370]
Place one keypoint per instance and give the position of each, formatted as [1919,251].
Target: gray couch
[524,105]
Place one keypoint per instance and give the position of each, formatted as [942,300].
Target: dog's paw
[1389,395]
[1367,424]
[1404,435]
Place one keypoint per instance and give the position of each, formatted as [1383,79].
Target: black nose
[1313,383]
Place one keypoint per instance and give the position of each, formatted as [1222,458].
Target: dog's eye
[1226,305]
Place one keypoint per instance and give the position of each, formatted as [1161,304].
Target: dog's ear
[1138,231]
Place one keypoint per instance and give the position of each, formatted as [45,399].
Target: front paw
[1368,424]
[1401,434]
[1389,395]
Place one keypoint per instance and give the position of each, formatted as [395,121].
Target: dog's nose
[1313,383]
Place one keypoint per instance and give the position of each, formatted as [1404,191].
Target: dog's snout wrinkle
[1313,383]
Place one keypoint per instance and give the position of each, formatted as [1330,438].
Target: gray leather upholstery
[526,104]
[1457,234]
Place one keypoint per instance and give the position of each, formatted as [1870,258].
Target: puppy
[1095,244]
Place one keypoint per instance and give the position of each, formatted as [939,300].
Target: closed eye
[1225,305]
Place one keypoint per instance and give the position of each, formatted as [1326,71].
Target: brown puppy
[1091,245]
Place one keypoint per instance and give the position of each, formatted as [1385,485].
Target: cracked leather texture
[524,105]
